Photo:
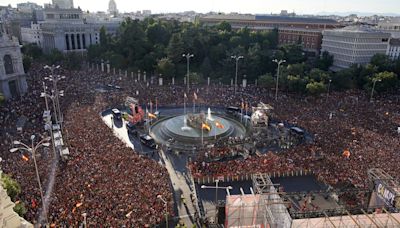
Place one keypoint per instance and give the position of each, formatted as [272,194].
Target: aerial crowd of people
[116,186]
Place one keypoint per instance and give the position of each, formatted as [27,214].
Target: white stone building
[112,8]
[63,4]
[67,31]
[32,34]
[354,45]
[12,74]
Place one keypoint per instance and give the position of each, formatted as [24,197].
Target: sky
[240,6]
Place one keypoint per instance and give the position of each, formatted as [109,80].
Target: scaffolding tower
[276,214]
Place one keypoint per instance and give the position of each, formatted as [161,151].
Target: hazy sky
[241,6]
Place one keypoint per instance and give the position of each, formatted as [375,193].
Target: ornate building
[12,75]
[112,8]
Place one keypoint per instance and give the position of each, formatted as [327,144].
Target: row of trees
[156,46]
[301,77]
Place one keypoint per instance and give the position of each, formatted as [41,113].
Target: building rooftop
[394,42]
[313,20]
[359,29]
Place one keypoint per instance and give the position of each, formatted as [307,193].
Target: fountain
[185,126]
[209,115]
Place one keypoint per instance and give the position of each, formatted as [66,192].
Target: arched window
[8,64]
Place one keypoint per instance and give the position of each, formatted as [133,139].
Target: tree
[32,50]
[2,98]
[103,37]
[26,62]
[296,83]
[166,67]
[55,56]
[293,53]
[315,88]
[224,26]
[387,81]
[206,67]
[20,209]
[266,80]
[157,33]
[319,75]
[11,186]
[343,79]
[325,61]
[72,61]
[175,48]
[382,61]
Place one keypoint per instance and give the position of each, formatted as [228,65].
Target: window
[8,64]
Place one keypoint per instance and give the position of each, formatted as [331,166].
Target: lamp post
[373,87]
[216,187]
[236,58]
[187,56]
[329,87]
[55,79]
[166,209]
[279,62]
[32,149]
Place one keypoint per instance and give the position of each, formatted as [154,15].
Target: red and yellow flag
[219,125]
[25,158]
[205,126]
[151,115]
[242,105]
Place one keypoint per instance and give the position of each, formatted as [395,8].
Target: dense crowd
[116,186]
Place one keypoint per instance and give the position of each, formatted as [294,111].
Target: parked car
[116,114]
[148,141]
[131,128]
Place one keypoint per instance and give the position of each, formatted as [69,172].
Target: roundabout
[175,131]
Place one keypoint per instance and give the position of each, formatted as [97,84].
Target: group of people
[115,186]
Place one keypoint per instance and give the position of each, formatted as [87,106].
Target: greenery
[2,98]
[20,208]
[11,186]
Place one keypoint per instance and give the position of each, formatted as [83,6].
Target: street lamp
[373,87]
[32,149]
[55,79]
[166,209]
[329,87]
[187,56]
[279,62]
[216,187]
[236,58]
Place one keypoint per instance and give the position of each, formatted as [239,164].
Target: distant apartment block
[354,45]
[306,31]
[393,50]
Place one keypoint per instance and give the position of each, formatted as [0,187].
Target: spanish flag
[219,125]
[242,105]
[195,96]
[151,115]
[25,158]
[346,153]
[205,126]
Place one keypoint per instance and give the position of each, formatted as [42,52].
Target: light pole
[32,149]
[236,58]
[216,187]
[329,87]
[279,62]
[187,56]
[84,219]
[53,98]
[166,209]
[373,87]
[55,79]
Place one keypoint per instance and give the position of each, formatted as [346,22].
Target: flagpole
[184,104]
[202,137]
[194,104]
[156,105]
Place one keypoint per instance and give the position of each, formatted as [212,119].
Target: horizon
[324,7]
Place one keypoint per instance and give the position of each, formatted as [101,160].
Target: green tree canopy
[166,67]
[316,88]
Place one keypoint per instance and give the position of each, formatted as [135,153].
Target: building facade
[12,75]
[112,8]
[67,30]
[354,45]
[306,31]
[63,4]
[393,50]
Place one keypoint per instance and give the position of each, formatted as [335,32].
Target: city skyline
[340,7]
